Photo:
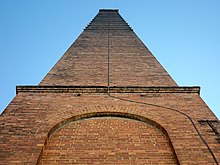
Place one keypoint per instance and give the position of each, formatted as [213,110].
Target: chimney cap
[108,10]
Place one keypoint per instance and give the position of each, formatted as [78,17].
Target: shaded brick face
[106,140]
[86,61]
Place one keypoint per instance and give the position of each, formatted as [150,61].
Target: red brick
[70,118]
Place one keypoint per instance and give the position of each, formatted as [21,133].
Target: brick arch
[119,115]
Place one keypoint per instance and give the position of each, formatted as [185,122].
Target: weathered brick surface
[106,140]
[86,61]
[43,125]
[29,118]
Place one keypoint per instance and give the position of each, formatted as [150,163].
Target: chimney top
[108,10]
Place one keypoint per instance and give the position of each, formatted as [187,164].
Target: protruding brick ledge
[104,89]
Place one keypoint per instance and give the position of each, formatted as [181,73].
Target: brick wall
[70,116]
[106,140]
[86,61]
[30,118]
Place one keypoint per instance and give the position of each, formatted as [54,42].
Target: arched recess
[137,140]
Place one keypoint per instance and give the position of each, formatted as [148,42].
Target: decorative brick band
[104,89]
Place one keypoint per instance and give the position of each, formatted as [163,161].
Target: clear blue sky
[184,35]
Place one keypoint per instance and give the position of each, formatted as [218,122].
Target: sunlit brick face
[108,140]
